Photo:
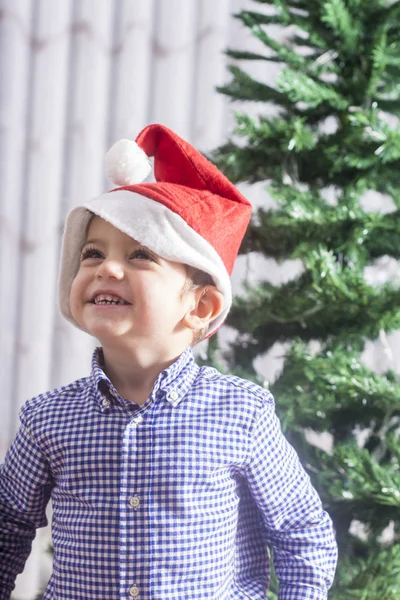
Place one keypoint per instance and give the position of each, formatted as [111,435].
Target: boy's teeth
[108,299]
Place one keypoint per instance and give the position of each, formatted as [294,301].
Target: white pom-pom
[126,163]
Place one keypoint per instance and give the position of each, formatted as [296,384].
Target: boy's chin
[109,332]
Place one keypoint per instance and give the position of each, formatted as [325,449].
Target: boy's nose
[110,268]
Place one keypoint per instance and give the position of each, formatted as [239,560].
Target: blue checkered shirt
[177,499]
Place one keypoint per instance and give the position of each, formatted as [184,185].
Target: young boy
[168,481]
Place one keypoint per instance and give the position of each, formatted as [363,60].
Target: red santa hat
[191,214]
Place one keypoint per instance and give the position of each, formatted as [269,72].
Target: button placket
[133,538]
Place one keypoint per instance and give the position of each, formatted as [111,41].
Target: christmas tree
[332,143]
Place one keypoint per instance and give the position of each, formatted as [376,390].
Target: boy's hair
[196,279]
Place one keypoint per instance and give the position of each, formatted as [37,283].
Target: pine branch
[245,55]
[360,478]
[244,87]
[373,577]
[282,51]
[306,220]
[299,87]
[332,388]
[326,301]
[250,18]
[338,17]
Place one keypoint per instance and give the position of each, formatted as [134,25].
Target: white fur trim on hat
[152,224]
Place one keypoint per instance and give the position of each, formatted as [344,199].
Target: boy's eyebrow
[92,241]
[99,241]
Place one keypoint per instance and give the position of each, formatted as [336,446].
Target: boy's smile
[107,299]
[123,289]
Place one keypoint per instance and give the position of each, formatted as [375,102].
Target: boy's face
[123,289]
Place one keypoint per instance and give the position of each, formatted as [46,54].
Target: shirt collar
[175,381]
[101,384]
[178,378]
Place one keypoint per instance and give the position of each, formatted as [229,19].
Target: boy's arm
[25,485]
[299,531]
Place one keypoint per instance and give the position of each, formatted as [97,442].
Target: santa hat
[191,214]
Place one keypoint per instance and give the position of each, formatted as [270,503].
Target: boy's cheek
[76,290]
[76,300]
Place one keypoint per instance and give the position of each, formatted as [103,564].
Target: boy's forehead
[101,229]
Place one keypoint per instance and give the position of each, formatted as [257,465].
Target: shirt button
[138,419]
[134,502]
[106,403]
[134,591]
[174,395]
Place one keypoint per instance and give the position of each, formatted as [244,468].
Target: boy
[167,480]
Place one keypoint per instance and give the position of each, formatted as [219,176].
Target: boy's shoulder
[233,385]
[62,398]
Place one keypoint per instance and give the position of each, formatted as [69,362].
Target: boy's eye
[90,252]
[142,253]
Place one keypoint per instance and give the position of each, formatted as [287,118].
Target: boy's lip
[104,294]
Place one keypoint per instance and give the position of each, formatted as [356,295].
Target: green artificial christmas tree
[334,138]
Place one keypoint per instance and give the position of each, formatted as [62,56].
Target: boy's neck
[133,372]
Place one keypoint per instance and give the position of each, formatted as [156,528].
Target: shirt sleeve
[299,531]
[25,485]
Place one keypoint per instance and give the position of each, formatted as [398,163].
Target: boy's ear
[209,303]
